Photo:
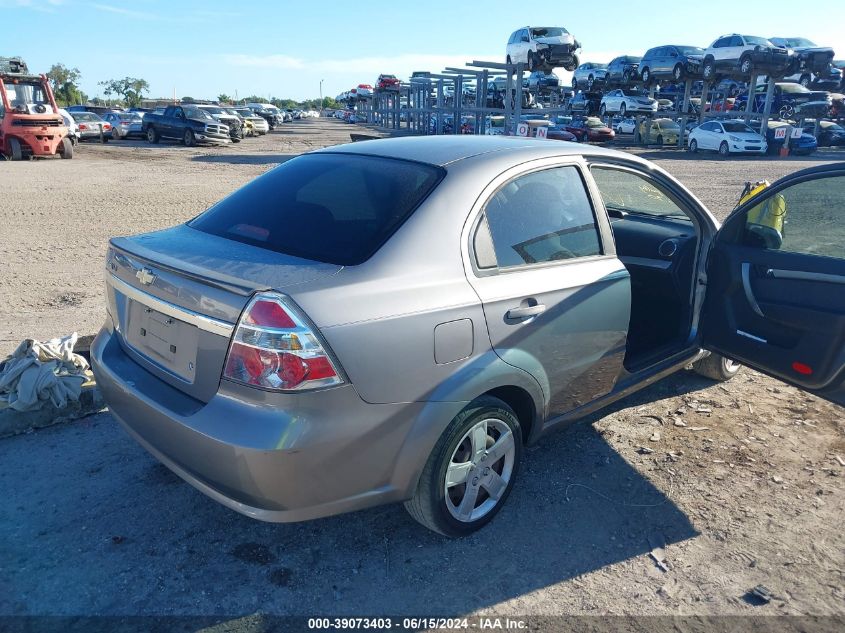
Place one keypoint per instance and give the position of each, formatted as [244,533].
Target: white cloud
[129,13]
[45,6]
[263,61]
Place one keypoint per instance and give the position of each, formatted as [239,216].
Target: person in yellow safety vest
[766,221]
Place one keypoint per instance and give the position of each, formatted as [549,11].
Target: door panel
[575,344]
[776,283]
[555,306]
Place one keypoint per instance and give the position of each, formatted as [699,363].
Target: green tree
[187,100]
[224,98]
[254,99]
[65,84]
[129,89]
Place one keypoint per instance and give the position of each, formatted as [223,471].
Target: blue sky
[202,48]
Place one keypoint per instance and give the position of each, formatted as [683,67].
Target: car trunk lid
[175,296]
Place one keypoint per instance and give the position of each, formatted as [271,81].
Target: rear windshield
[334,208]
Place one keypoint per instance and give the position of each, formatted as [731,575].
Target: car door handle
[749,293]
[523,312]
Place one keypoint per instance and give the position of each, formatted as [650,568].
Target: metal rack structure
[438,103]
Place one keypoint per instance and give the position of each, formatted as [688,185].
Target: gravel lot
[90,524]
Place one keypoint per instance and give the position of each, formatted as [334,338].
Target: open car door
[775,296]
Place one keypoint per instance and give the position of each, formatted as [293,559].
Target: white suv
[543,48]
[742,54]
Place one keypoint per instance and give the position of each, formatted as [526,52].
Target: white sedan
[727,137]
[625,100]
[625,126]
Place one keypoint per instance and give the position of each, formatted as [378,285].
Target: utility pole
[321,97]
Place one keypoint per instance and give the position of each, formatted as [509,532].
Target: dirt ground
[738,484]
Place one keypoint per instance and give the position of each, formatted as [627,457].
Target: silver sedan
[394,320]
[125,124]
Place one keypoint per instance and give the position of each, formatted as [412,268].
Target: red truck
[30,123]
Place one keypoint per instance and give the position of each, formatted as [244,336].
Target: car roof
[444,150]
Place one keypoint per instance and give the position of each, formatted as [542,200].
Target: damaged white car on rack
[543,48]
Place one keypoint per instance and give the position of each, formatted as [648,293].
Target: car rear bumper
[274,457]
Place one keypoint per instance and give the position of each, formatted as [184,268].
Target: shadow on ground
[103,528]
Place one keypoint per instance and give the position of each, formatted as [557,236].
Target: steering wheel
[40,108]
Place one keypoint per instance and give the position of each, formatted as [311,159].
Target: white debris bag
[41,372]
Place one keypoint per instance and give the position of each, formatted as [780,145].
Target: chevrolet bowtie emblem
[145,276]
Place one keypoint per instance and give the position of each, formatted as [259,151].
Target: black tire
[693,146]
[724,149]
[152,135]
[678,72]
[660,140]
[646,76]
[115,135]
[574,84]
[532,64]
[65,149]
[717,367]
[626,77]
[591,81]
[602,109]
[745,65]
[429,506]
[508,60]
[786,111]
[188,138]
[708,72]
[15,149]
[573,64]
[805,80]
[623,109]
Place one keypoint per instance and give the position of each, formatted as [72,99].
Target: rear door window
[335,208]
[541,217]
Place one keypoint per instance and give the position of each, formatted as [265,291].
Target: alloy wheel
[479,470]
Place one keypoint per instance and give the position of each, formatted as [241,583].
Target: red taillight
[269,313]
[82,126]
[274,348]
[106,126]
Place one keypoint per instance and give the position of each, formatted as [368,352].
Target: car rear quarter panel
[380,317]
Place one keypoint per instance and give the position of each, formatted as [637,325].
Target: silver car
[394,320]
[125,124]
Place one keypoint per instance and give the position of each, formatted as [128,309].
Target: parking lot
[740,484]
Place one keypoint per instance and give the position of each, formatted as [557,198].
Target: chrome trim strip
[206,323]
[801,275]
[752,337]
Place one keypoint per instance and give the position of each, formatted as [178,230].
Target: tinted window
[629,192]
[541,217]
[336,208]
[804,218]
